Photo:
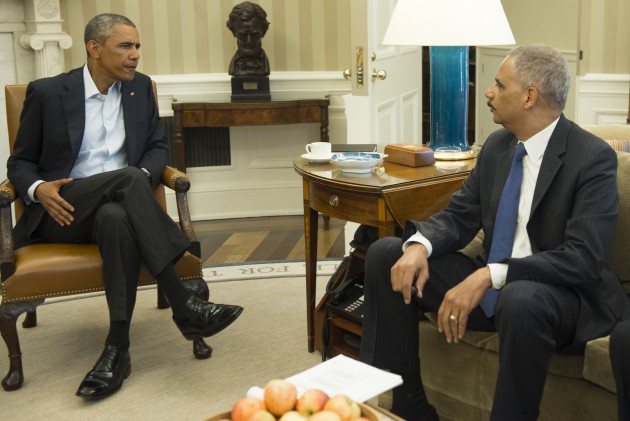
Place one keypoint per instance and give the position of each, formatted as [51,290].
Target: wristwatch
[144,170]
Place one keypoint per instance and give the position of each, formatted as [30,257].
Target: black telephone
[344,291]
[345,301]
[350,303]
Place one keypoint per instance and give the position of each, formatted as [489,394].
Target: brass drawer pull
[333,201]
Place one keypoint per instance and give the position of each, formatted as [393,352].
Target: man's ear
[530,97]
[93,49]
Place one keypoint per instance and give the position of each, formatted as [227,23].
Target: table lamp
[448,28]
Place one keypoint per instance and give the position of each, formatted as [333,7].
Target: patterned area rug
[266,270]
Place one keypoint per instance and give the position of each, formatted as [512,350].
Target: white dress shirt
[103,145]
[535,147]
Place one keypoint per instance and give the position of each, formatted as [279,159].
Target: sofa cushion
[597,368]
[609,131]
[562,365]
[619,145]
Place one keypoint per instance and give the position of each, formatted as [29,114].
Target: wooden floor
[264,239]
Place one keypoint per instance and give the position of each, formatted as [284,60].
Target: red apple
[245,408]
[325,416]
[345,407]
[262,415]
[280,396]
[293,416]
[311,401]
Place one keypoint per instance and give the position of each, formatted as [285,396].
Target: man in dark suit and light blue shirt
[557,288]
[88,153]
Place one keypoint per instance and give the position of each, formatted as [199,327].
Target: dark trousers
[532,320]
[117,211]
[620,360]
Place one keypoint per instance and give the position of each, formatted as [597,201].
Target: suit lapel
[73,101]
[129,104]
[552,161]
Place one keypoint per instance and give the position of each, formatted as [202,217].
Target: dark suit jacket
[571,226]
[51,131]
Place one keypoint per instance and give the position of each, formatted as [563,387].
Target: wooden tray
[366,412]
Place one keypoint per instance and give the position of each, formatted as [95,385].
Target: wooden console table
[385,199]
[227,114]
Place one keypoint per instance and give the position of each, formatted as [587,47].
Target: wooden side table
[228,114]
[385,199]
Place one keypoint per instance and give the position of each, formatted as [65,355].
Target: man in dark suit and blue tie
[545,281]
[88,153]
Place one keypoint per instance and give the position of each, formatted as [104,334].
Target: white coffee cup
[319,149]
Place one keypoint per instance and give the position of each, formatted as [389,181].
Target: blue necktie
[505,223]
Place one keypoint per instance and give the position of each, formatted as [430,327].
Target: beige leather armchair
[33,273]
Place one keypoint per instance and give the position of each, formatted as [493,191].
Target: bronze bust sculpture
[248,23]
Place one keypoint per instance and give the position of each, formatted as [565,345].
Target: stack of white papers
[342,375]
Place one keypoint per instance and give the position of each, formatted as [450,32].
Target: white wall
[603,99]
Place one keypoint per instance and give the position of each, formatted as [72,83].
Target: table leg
[310,239]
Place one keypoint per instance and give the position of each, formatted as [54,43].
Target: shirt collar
[536,145]
[90,87]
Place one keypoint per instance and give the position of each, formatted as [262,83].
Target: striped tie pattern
[505,223]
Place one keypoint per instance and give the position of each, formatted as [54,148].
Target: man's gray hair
[544,68]
[99,28]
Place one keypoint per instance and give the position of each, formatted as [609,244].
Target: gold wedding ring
[452,318]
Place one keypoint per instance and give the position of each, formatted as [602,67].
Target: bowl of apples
[281,402]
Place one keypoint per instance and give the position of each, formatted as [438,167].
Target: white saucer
[316,160]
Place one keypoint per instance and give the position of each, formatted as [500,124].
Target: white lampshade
[448,23]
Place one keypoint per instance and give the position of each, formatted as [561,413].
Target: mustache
[489,104]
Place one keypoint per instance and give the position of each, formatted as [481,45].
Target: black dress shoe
[205,319]
[112,367]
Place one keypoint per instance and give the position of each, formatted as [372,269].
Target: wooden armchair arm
[178,181]
[8,195]
[175,180]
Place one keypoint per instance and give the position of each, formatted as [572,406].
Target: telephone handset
[350,306]
[345,291]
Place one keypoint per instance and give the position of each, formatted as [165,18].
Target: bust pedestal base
[250,89]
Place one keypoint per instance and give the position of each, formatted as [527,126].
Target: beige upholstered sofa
[460,378]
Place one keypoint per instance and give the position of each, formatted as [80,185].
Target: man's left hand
[459,301]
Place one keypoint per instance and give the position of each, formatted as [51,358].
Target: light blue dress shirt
[103,145]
